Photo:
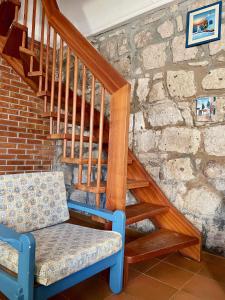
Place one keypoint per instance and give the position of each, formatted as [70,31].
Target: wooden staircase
[76,110]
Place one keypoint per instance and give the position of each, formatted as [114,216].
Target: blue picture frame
[204,25]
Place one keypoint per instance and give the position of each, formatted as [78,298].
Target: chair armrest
[10,236]
[117,217]
[24,243]
[103,213]
[15,239]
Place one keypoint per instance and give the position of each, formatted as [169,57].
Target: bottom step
[155,244]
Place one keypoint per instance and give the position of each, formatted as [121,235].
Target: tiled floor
[173,277]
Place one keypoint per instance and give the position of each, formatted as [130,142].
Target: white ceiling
[92,16]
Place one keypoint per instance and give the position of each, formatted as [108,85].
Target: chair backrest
[33,201]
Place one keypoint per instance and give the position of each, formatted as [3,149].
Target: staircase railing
[76,83]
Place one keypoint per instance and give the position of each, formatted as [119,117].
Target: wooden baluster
[33,33]
[16,13]
[60,85]
[101,127]
[75,87]
[91,130]
[80,169]
[25,22]
[67,92]
[47,66]
[53,80]
[42,49]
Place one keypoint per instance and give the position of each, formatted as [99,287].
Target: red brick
[16,151]
[23,144]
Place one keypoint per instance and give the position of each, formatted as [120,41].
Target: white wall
[92,16]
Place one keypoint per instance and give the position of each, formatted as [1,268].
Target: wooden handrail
[100,68]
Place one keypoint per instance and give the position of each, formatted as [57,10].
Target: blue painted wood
[27,265]
[100,212]
[116,271]
[57,287]
[9,285]
[22,288]
[10,237]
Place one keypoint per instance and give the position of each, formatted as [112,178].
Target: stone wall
[186,158]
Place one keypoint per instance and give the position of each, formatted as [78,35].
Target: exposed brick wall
[23,144]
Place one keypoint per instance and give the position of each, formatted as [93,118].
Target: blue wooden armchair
[40,254]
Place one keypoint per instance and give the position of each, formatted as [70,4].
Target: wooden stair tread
[83,161]
[36,73]
[68,136]
[7,15]
[54,115]
[27,51]
[20,26]
[15,2]
[155,244]
[141,211]
[136,183]
[131,184]
[42,94]
[14,40]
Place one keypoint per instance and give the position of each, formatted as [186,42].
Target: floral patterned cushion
[33,201]
[64,249]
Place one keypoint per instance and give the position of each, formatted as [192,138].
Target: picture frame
[204,25]
[206,108]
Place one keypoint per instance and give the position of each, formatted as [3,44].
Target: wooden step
[141,211]
[36,73]
[136,183]
[15,2]
[27,51]
[14,40]
[131,184]
[83,161]
[54,115]
[43,94]
[7,15]
[68,137]
[156,244]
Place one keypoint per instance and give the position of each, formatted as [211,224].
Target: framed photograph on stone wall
[204,25]
[205,109]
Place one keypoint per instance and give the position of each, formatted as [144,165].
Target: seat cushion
[32,201]
[64,249]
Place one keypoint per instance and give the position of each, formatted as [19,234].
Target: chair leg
[116,275]
[125,273]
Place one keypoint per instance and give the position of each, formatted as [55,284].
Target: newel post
[118,149]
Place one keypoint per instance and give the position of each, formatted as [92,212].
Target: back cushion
[33,201]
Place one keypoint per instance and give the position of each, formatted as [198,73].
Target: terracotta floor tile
[133,273]
[184,263]
[122,296]
[181,295]
[206,256]
[169,274]
[145,266]
[2,297]
[214,269]
[147,288]
[205,288]
[94,288]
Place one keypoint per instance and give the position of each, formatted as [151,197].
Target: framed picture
[204,25]
[205,109]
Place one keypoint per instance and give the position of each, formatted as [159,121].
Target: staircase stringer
[173,220]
